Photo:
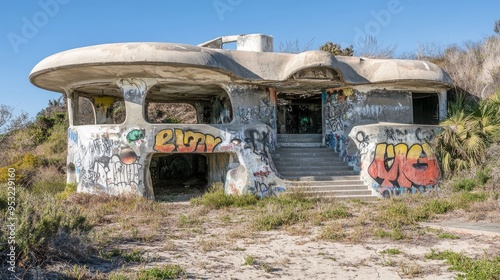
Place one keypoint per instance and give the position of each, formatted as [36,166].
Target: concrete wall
[373,131]
[396,158]
[115,158]
[347,108]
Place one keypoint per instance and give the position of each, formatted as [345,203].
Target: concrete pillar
[443,105]
[134,92]
[72,100]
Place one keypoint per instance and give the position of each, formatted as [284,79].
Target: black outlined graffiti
[258,142]
[396,135]
[336,110]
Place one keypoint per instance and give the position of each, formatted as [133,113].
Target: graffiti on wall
[264,113]
[119,172]
[178,140]
[104,162]
[258,143]
[400,166]
[338,106]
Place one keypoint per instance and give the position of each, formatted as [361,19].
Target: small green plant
[118,276]
[483,176]
[336,212]
[226,219]
[189,220]
[134,256]
[394,234]
[333,232]
[391,251]
[446,235]
[68,190]
[437,206]
[78,272]
[216,198]
[168,271]
[464,184]
[485,267]
[249,260]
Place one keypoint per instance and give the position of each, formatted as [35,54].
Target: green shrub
[41,221]
[391,251]
[48,187]
[134,256]
[486,267]
[446,235]
[437,206]
[24,166]
[336,212]
[168,271]
[464,184]
[463,200]
[216,198]
[269,220]
[68,190]
[395,214]
[483,176]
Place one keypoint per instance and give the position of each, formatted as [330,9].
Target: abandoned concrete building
[264,121]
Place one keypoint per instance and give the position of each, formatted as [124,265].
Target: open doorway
[178,174]
[182,176]
[425,108]
[299,113]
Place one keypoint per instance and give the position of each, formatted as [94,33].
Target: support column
[134,93]
[72,99]
[443,105]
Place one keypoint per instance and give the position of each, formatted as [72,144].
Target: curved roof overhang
[186,64]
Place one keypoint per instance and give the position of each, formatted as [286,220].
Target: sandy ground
[223,252]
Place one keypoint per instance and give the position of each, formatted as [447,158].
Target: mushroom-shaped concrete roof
[186,63]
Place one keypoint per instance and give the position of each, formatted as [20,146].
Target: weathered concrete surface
[396,158]
[240,90]
[179,62]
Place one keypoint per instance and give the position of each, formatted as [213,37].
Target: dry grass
[175,229]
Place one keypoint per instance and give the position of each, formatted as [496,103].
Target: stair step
[321,178]
[322,172]
[301,164]
[300,144]
[330,188]
[303,152]
[347,197]
[339,192]
[334,166]
[353,182]
[292,159]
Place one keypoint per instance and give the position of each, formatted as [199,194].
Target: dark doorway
[425,108]
[178,174]
[299,114]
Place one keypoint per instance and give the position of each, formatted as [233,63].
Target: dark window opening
[99,104]
[187,103]
[425,108]
[171,113]
[299,114]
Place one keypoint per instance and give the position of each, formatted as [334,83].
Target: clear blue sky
[64,24]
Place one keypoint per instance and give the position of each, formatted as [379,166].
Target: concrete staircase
[316,170]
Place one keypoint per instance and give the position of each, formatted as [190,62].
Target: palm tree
[467,133]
